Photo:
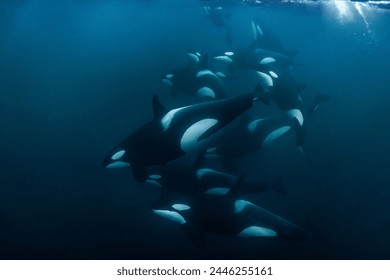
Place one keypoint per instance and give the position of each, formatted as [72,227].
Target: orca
[251,135]
[197,179]
[221,19]
[264,38]
[225,215]
[196,79]
[263,54]
[173,133]
[265,57]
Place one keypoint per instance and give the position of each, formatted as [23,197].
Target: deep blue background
[77,76]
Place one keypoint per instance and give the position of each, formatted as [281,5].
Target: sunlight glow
[343,9]
[359,9]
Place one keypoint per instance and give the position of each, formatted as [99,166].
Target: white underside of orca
[206,92]
[153,183]
[118,155]
[276,134]
[118,164]
[273,74]
[256,231]
[211,150]
[217,191]
[205,72]
[193,57]
[253,124]
[155,176]
[171,215]
[240,205]
[265,79]
[203,171]
[191,136]
[223,58]
[220,74]
[180,207]
[167,82]
[168,117]
[295,113]
[267,60]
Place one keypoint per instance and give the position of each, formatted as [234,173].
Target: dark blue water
[78,76]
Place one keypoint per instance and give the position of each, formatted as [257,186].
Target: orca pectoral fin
[195,235]
[139,172]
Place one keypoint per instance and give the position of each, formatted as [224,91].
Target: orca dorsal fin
[158,108]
